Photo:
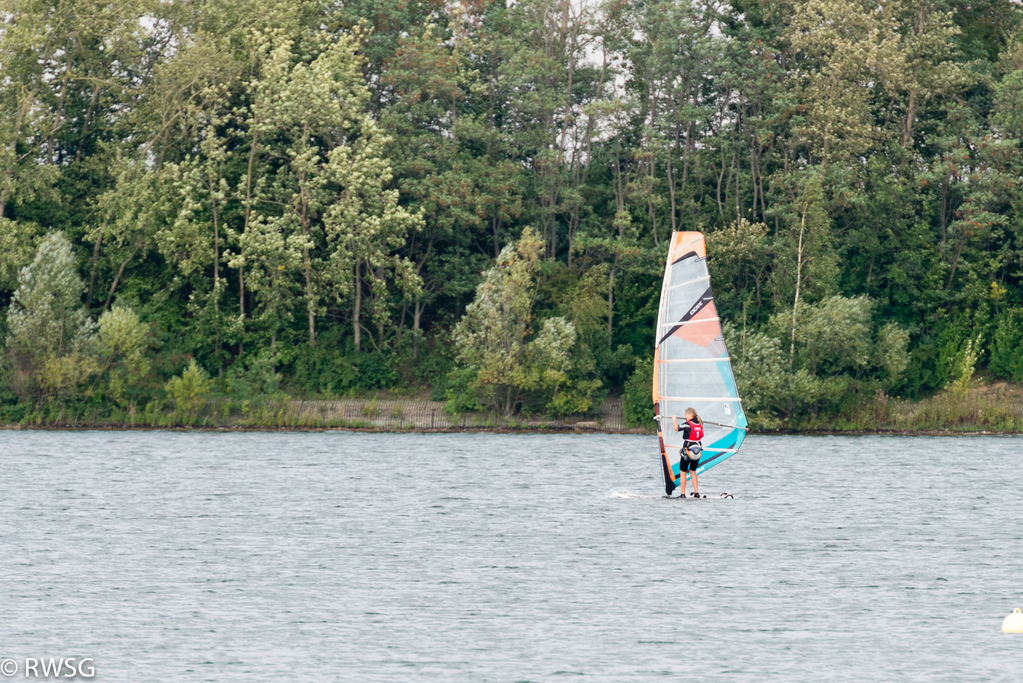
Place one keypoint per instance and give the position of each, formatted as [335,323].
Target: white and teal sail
[691,363]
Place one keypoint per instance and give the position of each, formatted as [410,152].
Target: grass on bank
[995,407]
[979,407]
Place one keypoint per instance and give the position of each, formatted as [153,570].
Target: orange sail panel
[691,364]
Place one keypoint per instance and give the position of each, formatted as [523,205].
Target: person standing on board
[692,434]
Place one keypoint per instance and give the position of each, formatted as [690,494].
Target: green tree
[120,348]
[637,400]
[771,390]
[133,215]
[17,246]
[191,390]
[740,260]
[495,336]
[1007,346]
[49,331]
[807,266]
[833,335]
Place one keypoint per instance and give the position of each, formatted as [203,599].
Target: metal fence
[424,415]
[363,414]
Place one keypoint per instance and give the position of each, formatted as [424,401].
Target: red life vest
[695,430]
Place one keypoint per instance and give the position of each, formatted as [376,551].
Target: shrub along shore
[995,408]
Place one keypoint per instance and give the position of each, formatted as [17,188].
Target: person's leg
[683,468]
[696,484]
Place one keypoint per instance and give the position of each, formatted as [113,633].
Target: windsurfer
[692,434]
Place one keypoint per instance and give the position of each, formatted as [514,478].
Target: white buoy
[1014,622]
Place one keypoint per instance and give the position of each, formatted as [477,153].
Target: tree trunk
[417,316]
[241,305]
[307,259]
[760,183]
[907,131]
[120,271]
[216,274]
[310,305]
[651,212]
[85,122]
[379,277]
[944,213]
[92,264]
[357,311]
[685,171]
[671,191]
[12,148]
[753,179]
[275,275]
[721,177]
[955,261]
[611,299]
[58,116]
[216,255]
[799,271]
[496,226]
[253,151]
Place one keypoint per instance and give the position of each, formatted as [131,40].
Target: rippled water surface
[485,557]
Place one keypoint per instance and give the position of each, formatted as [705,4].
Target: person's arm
[674,421]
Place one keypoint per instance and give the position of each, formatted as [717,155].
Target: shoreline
[985,410]
[486,430]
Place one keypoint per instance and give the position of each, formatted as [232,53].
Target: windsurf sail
[691,363]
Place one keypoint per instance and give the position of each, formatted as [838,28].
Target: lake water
[486,557]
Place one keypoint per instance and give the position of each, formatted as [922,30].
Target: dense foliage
[247,198]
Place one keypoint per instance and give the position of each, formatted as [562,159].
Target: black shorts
[689,464]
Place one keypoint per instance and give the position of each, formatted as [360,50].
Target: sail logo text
[63,667]
[696,307]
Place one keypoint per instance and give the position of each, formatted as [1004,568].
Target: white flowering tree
[48,329]
[195,238]
[55,350]
[366,226]
[325,213]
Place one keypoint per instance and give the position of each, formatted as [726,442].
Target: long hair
[696,418]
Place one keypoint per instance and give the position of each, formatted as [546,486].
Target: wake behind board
[691,363]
